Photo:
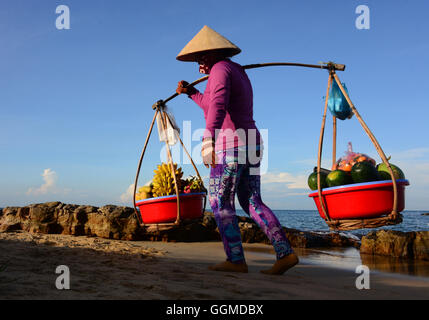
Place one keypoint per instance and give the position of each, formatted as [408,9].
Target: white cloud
[298,194]
[127,196]
[415,164]
[287,179]
[411,154]
[417,174]
[49,186]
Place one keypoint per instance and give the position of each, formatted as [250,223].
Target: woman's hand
[208,152]
[183,87]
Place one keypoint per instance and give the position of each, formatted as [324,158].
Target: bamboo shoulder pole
[376,144]
[323,66]
[319,156]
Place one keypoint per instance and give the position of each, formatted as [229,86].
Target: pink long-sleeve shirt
[227,103]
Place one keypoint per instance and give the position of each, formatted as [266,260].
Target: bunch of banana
[163,180]
[144,193]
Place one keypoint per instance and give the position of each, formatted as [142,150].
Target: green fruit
[364,172]
[312,180]
[338,178]
[384,173]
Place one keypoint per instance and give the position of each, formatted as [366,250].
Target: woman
[232,146]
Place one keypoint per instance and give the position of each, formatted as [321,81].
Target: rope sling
[346,224]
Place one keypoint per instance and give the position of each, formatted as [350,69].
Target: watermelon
[364,172]
[312,180]
[384,173]
[338,178]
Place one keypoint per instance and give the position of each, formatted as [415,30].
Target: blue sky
[75,105]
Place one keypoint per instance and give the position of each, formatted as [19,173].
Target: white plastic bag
[167,134]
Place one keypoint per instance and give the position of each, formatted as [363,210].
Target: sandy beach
[109,269]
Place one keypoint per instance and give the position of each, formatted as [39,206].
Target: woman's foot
[282,265]
[230,267]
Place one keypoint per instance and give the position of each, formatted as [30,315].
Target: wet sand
[109,269]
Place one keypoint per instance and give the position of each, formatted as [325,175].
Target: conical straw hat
[207,40]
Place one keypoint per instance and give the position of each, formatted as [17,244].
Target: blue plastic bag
[338,104]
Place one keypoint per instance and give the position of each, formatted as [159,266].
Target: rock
[114,222]
[425,214]
[37,218]
[421,245]
[406,245]
[388,243]
[9,220]
[43,218]
[73,218]
[57,218]
[209,220]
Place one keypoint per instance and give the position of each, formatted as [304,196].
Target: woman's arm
[198,98]
[219,98]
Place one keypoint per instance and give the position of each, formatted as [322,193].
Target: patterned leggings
[229,177]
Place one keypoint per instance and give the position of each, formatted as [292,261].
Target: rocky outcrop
[407,245]
[114,222]
[111,222]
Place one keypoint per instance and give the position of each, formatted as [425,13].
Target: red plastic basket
[164,209]
[360,200]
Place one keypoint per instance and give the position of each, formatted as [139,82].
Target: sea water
[349,258]
[310,220]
